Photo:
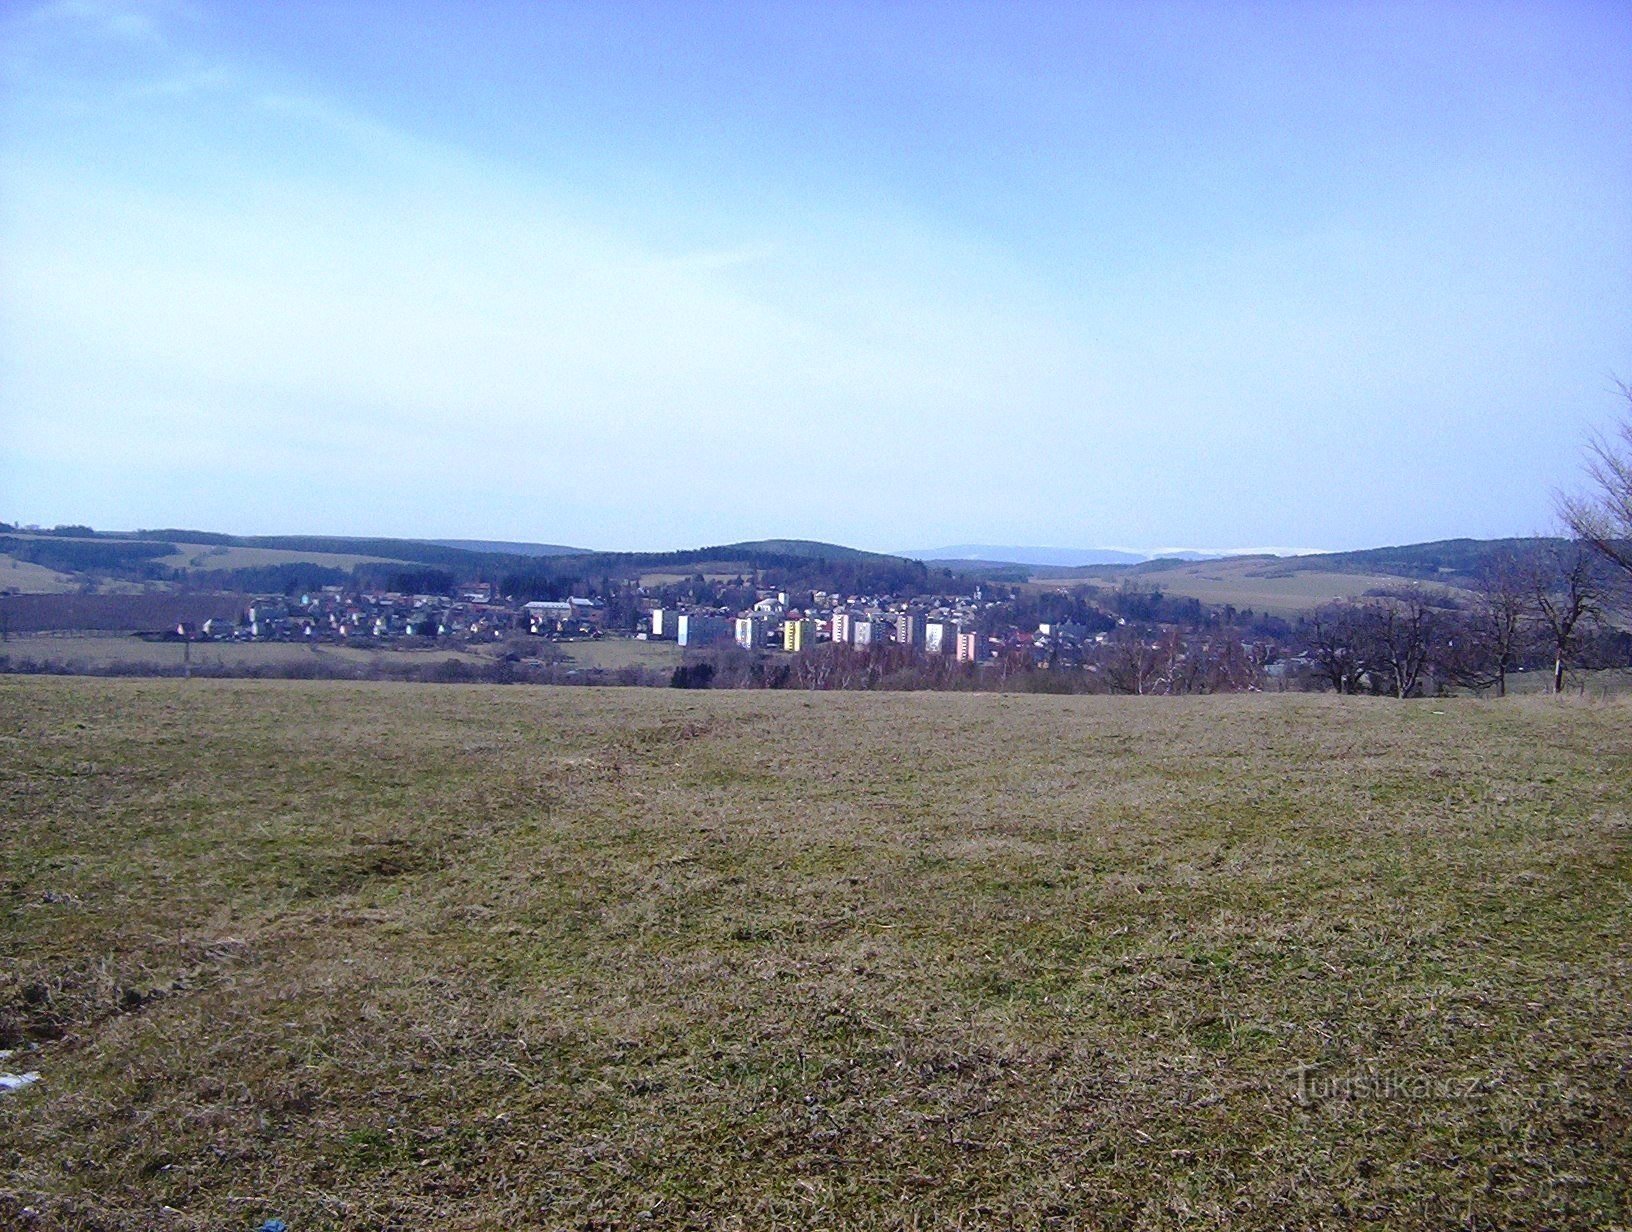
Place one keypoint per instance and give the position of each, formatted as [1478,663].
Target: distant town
[941,625]
[1405,622]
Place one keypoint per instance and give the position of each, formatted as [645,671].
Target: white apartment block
[751,632]
[940,637]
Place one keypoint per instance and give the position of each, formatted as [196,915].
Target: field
[396,956]
[23,577]
[90,653]
[93,653]
[615,652]
[1276,586]
[26,578]
[222,556]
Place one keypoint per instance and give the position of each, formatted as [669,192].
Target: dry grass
[24,577]
[612,653]
[92,653]
[387,956]
[1278,587]
[224,556]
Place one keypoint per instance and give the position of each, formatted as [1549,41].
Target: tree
[1397,641]
[1491,638]
[1603,520]
[1334,645]
[1129,664]
[1568,596]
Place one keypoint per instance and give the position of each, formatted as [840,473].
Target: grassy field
[225,556]
[1277,586]
[396,956]
[615,652]
[93,654]
[24,577]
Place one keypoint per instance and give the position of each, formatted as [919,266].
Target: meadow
[1275,586]
[612,653]
[366,955]
[218,556]
[94,653]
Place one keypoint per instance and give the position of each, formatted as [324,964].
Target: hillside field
[1278,586]
[218,556]
[460,957]
[26,578]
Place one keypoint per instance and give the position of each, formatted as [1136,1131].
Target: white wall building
[694,630]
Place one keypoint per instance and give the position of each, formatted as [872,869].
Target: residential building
[692,629]
[798,635]
[544,615]
[751,632]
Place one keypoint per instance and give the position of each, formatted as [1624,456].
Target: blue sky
[654,275]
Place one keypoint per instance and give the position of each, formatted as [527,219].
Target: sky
[657,275]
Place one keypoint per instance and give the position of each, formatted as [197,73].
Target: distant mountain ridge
[506,547]
[809,548]
[1047,557]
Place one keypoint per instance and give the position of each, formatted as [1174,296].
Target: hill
[505,547]
[1275,585]
[1284,585]
[802,549]
[80,558]
[1453,560]
[993,554]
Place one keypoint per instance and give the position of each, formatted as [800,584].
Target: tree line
[1546,603]
[1546,608]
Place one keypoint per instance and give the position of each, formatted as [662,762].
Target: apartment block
[940,637]
[798,635]
[751,632]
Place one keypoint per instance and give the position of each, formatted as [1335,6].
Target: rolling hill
[76,558]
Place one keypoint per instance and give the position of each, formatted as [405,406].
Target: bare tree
[1129,664]
[1604,519]
[1398,641]
[1334,645]
[1491,638]
[1568,594]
